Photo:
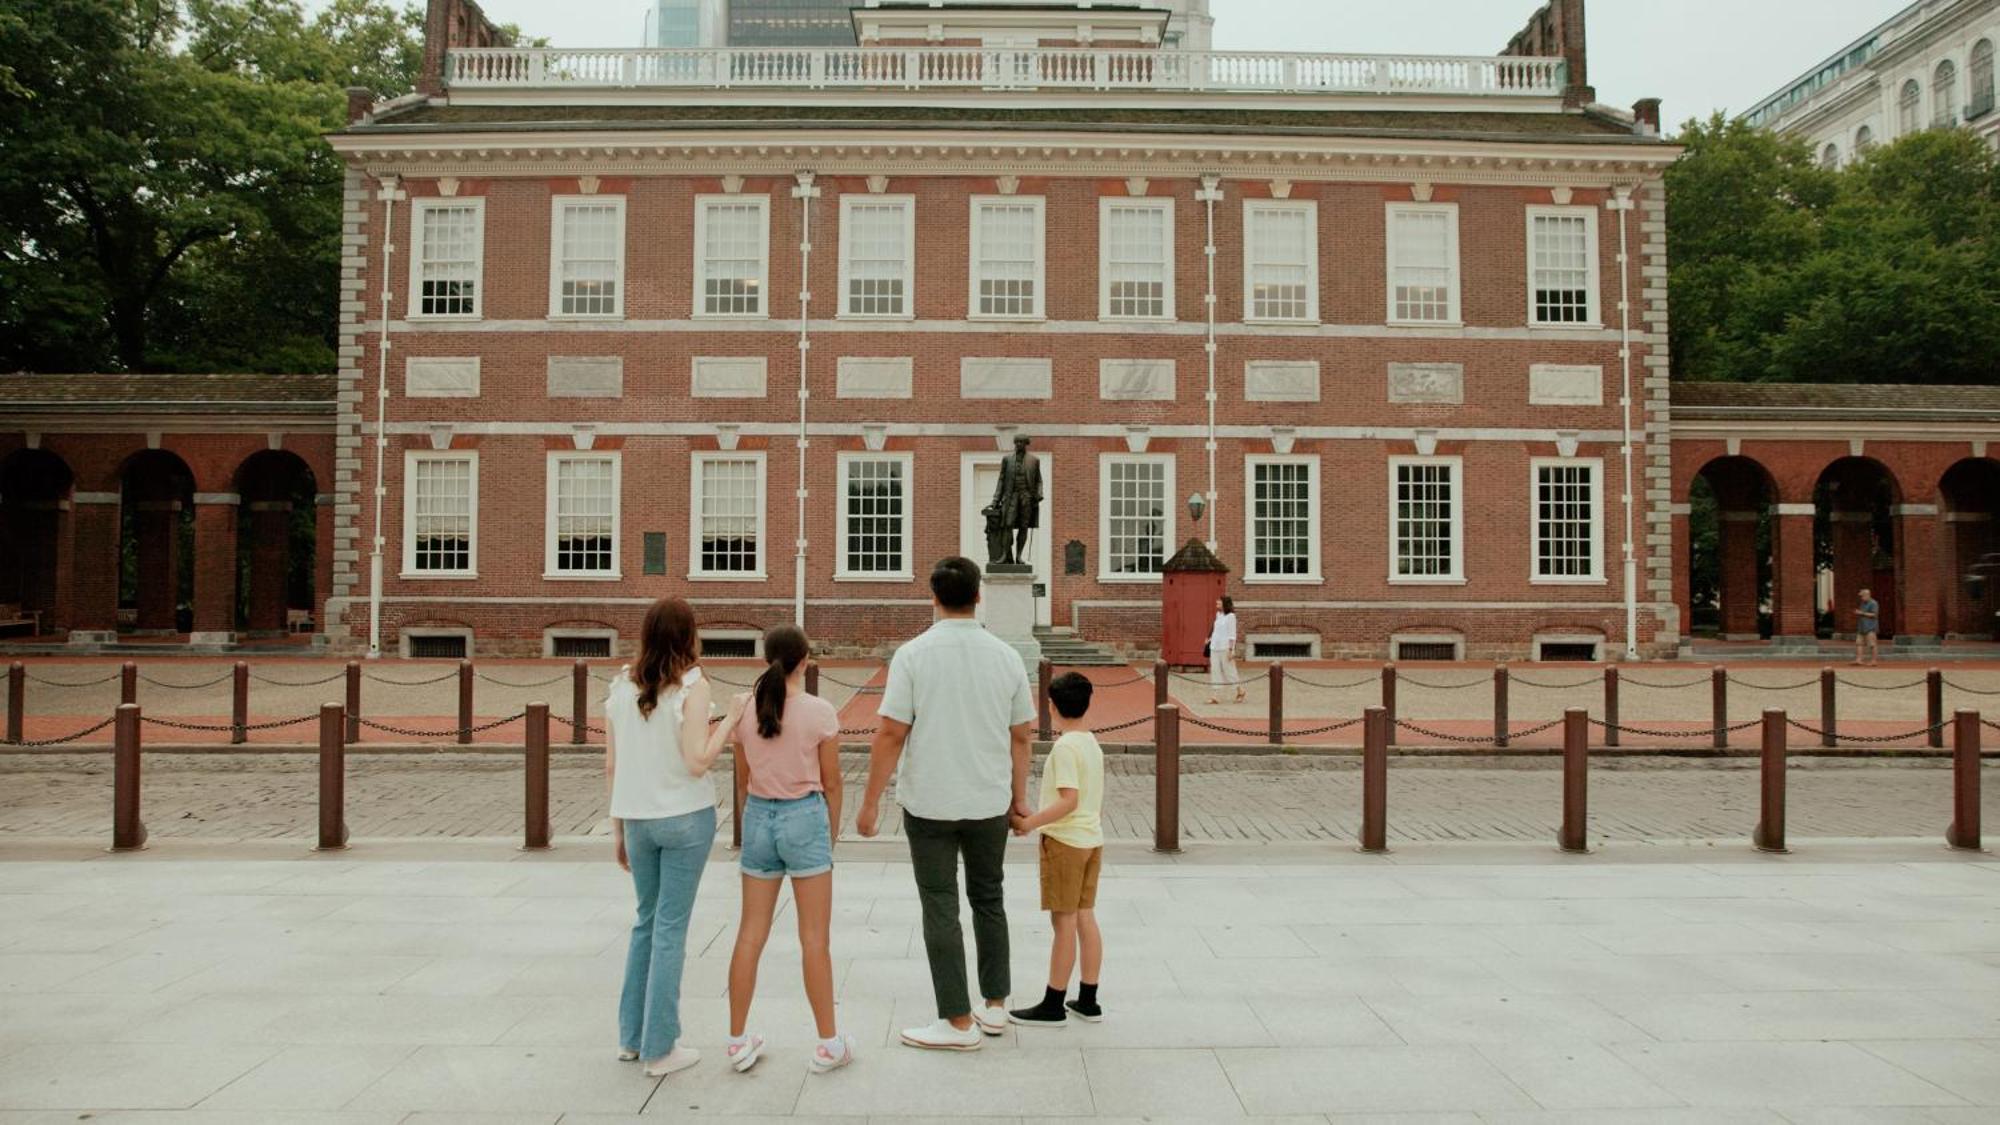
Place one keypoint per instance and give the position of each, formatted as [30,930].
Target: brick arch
[36,487]
[1727,547]
[1857,499]
[1969,547]
[156,501]
[278,527]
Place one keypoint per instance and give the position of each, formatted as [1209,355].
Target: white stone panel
[870,377]
[586,376]
[1005,378]
[1554,384]
[441,377]
[1275,380]
[1442,383]
[1135,380]
[731,376]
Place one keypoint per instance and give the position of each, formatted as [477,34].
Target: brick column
[1924,572]
[1683,577]
[270,564]
[214,568]
[91,608]
[1853,565]
[1792,580]
[156,524]
[1736,555]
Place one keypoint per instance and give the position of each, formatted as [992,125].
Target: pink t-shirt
[787,767]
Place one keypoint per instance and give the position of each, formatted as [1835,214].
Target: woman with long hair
[1222,651]
[789,746]
[656,759]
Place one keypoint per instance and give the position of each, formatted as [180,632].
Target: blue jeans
[667,857]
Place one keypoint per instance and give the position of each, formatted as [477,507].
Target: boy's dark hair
[955,582]
[1070,692]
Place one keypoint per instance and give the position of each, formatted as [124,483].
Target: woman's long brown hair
[669,645]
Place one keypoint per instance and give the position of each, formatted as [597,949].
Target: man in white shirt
[955,717]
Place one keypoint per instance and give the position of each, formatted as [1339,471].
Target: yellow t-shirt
[1076,762]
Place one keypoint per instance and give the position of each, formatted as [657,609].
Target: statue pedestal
[1009,597]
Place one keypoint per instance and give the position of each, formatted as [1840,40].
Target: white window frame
[909,205]
[556,256]
[1167,541]
[700,250]
[550,553]
[411,458]
[697,470]
[1040,206]
[1251,209]
[1165,207]
[1457,575]
[1455,315]
[1597,576]
[841,573]
[1315,505]
[418,207]
[1593,317]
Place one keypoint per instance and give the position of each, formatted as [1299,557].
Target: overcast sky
[1698,55]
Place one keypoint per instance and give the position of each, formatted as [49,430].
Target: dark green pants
[935,848]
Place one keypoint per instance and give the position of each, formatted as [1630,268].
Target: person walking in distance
[954,730]
[1867,628]
[1222,652]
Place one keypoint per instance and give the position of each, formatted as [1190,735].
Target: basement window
[1567,651]
[1415,648]
[1283,646]
[437,644]
[731,645]
[579,644]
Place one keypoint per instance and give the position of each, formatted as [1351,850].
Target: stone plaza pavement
[1446,984]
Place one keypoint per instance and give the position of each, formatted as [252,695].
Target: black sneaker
[1089,1013]
[1039,1016]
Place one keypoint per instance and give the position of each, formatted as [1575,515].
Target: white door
[979,474]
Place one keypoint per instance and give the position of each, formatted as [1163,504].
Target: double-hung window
[1569,523]
[440,514]
[875,527]
[1909,107]
[728,513]
[1426,520]
[1562,266]
[1281,261]
[1008,262]
[1136,515]
[1944,96]
[1136,259]
[587,256]
[1281,511]
[583,515]
[1423,263]
[878,235]
[732,255]
[447,252]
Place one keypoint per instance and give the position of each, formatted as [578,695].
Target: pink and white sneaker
[824,1060]
[744,1055]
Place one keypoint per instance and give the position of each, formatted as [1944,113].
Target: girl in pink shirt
[788,749]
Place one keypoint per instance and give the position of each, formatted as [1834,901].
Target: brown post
[1389,701]
[464,702]
[1611,705]
[1964,830]
[1276,680]
[812,677]
[1045,673]
[1500,723]
[536,835]
[128,829]
[1934,705]
[239,704]
[17,700]
[1828,716]
[1375,728]
[332,777]
[579,702]
[739,789]
[1770,835]
[1718,690]
[1576,781]
[1167,780]
[1160,677]
[128,684]
[353,702]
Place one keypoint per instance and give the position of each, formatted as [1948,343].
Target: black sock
[1052,1000]
[1086,994]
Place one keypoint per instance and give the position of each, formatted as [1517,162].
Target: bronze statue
[1016,507]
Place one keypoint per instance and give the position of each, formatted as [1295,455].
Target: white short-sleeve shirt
[962,690]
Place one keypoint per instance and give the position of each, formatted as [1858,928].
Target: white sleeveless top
[651,781]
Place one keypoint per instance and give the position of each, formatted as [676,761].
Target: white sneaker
[992,1021]
[626,1054]
[744,1055]
[673,1062]
[824,1060]
[941,1036]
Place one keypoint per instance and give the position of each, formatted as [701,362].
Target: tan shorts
[1069,876]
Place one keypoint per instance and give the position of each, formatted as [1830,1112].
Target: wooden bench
[12,617]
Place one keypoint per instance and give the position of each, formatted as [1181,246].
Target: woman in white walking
[1222,652]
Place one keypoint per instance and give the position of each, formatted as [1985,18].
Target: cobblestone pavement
[1237,798]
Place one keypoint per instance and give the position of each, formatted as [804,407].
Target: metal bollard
[1934,705]
[128,829]
[464,702]
[1770,834]
[128,684]
[579,702]
[812,677]
[239,704]
[535,836]
[332,778]
[1167,780]
[1275,677]
[1964,830]
[1718,690]
[1044,674]
[1576,782]
[1828,717]
[1160,677]
[17,700]
[1500,724]
[1389,700]
[353,702]
[1375,730]
[739,794]
[1611,705]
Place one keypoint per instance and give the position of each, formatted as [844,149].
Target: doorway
[978,476]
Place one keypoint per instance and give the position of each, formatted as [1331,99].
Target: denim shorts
[783,838]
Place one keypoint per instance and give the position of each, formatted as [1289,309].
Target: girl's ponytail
[785,647]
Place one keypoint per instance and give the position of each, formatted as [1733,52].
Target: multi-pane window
[1137,496]
[1979,72]
[445,262]
[1566,521]
[1136,258]
[1424,519]
[1423,263]
[1562,265]
[588,244]
[728,515]
[583,514]
[1281,261]
[1909,107]
[1007,257]
[877,239]
[1283,514]
[732,255]
[1829,157]
[874,515]
[1864,141]
[1944,96]
[440,512]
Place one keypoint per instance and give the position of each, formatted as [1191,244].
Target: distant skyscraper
[684,23]
[791,23]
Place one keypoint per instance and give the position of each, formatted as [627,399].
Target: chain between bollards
[1575,835]
[1964,830]
[1167,779]
[1376,730]
[128,828]
[535,834]
[333,722]
[1770,834]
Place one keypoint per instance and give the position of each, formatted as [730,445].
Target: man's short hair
[1070,692]
[955,582]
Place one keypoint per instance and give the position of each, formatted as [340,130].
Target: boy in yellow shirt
[1072,852]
